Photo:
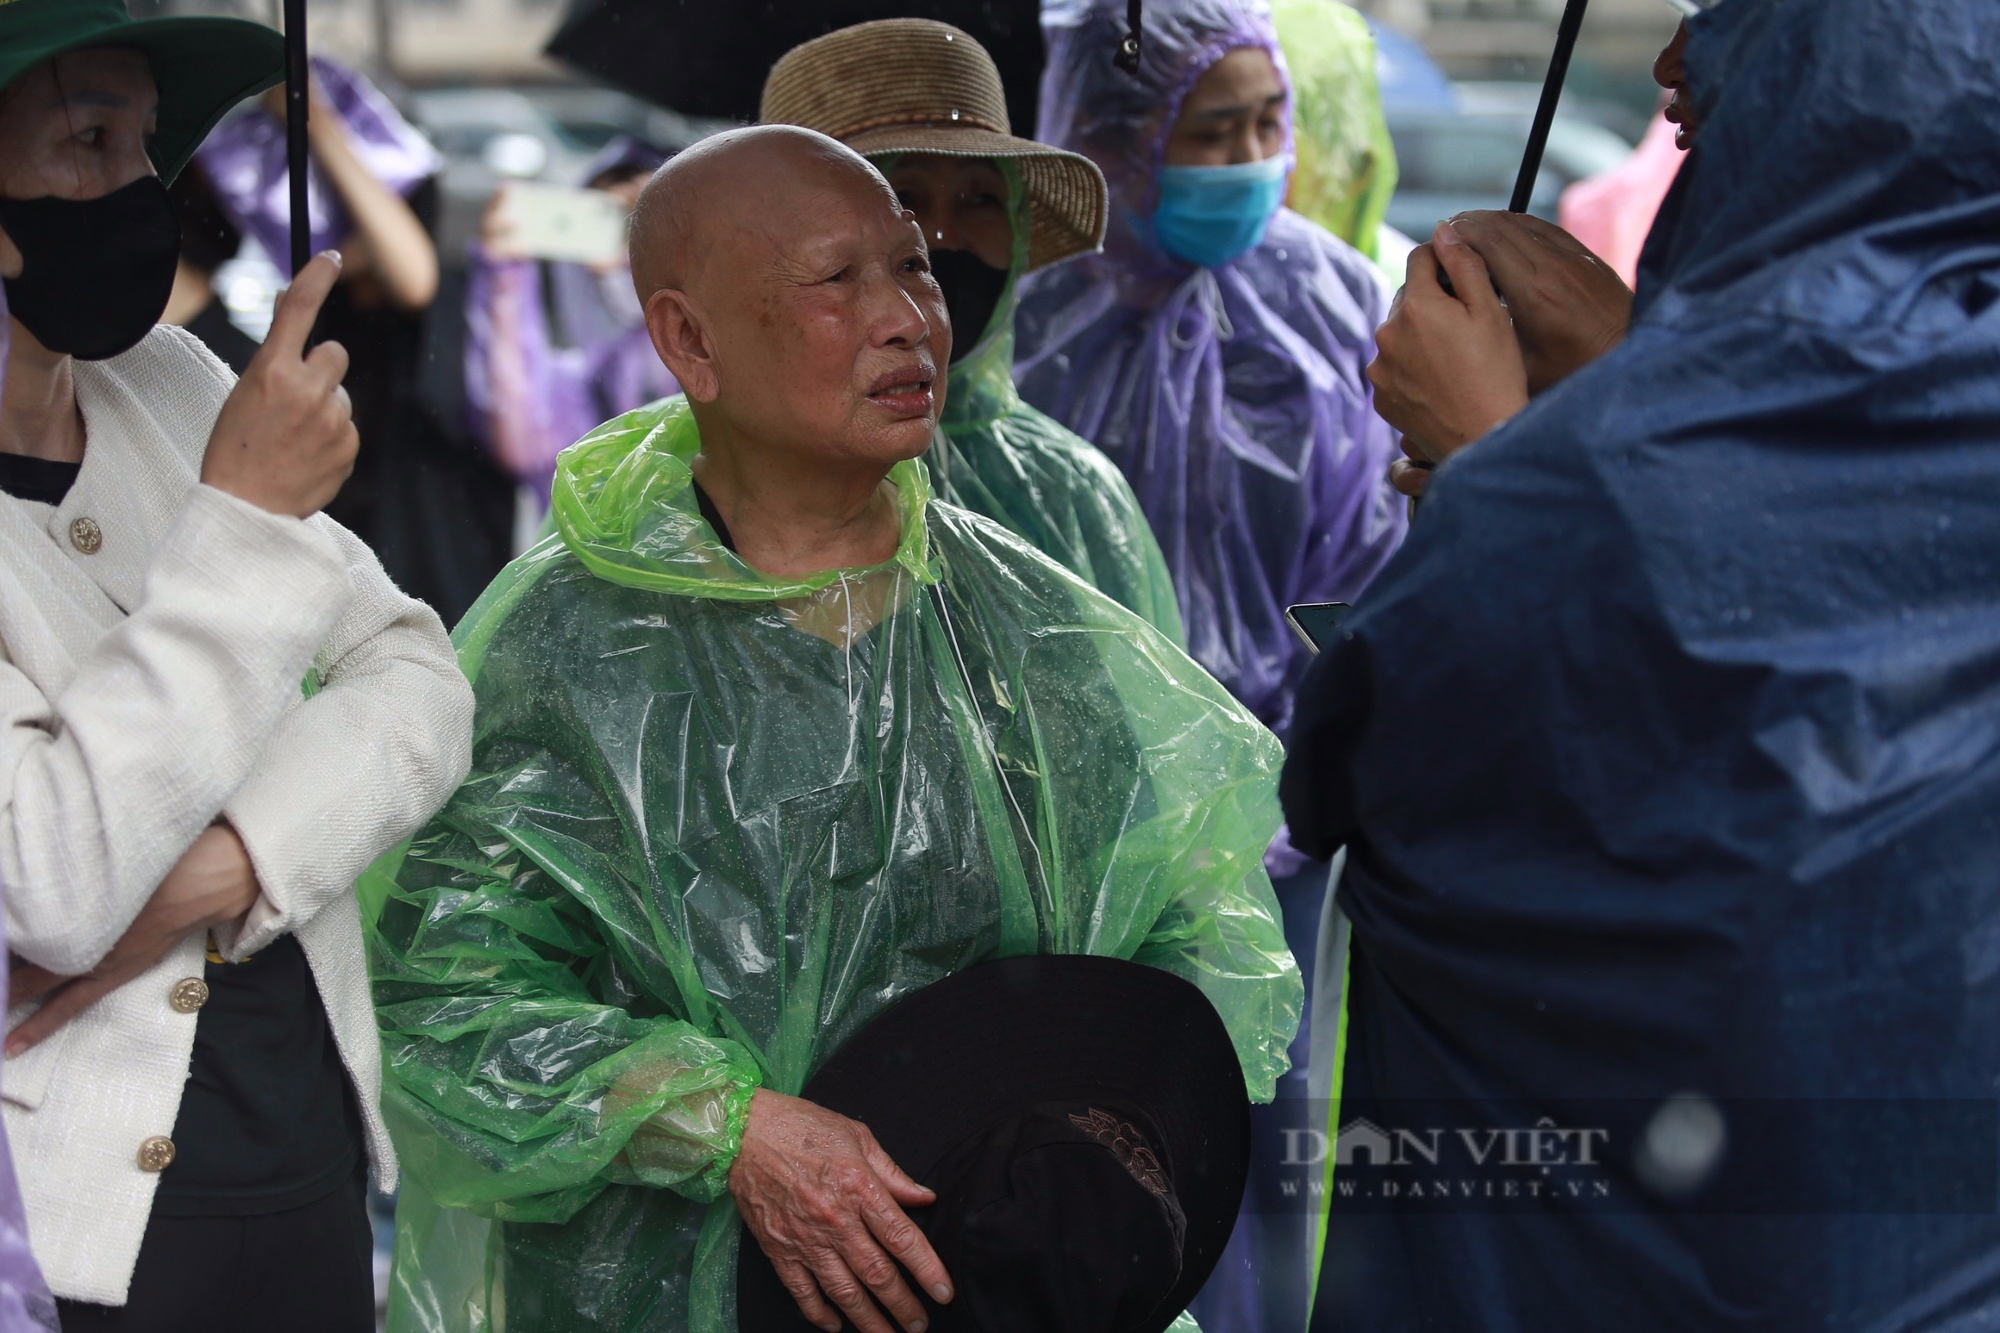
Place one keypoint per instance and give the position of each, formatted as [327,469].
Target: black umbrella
[297,77]
[1545,113]
[709,57]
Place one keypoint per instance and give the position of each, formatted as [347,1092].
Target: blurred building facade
[1510,39]
[415,41]
[430,41]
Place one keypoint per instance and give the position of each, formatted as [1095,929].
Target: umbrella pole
[1545,114]
[297,82]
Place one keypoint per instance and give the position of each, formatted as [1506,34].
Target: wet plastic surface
[1667,752]
[1233,397]
[1346,169]
[1037,478]
[717,822]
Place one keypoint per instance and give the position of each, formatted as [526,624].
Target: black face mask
[96,273]
[972,290]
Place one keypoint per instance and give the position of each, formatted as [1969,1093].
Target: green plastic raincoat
[716,822]
[1346,162]
[1034,476]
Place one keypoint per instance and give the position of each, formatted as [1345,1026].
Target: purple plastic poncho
[25,1302]
[245,162]
[1232,397]
[554,348]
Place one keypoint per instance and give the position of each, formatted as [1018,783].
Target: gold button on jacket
[85,535]
[188,995]
[156,1153]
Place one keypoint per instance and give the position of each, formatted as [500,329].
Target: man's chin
[906,426]
[914,443]
[887,443]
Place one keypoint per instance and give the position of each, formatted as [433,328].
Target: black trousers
[307,1270]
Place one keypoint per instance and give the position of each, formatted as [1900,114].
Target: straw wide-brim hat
[920,86]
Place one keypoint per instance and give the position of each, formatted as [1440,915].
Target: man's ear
[11,263]
[680,332]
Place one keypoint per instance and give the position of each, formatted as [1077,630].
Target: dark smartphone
[1317,622]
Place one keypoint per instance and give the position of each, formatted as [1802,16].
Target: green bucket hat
[202,66]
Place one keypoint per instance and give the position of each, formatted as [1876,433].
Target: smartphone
[1317,622]
[556,222]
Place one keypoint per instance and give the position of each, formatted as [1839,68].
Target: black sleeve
[1328,719]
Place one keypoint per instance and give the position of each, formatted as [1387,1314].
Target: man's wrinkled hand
[826,1203]
[1568,307]
[213,882]
[1447,368]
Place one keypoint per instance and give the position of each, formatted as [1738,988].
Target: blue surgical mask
[1210,215]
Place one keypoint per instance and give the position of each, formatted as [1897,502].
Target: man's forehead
[763,198]
[812,221]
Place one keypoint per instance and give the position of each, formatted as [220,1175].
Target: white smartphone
[556,222]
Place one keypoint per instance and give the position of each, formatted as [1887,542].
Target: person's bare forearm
[400,249]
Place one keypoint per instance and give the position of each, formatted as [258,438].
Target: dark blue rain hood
[1667,750]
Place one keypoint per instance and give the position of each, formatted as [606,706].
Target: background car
[536,132]
[1468,157]
[486,135]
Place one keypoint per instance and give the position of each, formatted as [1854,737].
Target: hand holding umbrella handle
[1567,33]
[285,440]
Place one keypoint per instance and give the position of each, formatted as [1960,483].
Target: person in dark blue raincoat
[1667,752]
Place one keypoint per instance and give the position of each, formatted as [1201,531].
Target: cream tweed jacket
[154,634]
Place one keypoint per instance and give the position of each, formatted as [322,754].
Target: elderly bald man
[768,739]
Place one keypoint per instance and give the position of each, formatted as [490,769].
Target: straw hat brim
[1066,192]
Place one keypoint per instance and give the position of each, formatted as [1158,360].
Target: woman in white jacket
[215,711]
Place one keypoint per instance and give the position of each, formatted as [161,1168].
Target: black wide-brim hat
[1010,1056]
[201,66]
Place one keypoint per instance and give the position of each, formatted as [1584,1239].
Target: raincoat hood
[1009,462]
[1665,753]
[981,386]
[1121,121]
[1858,140]
[1231,397]
[624,505]
[1346,170]
[717,822]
